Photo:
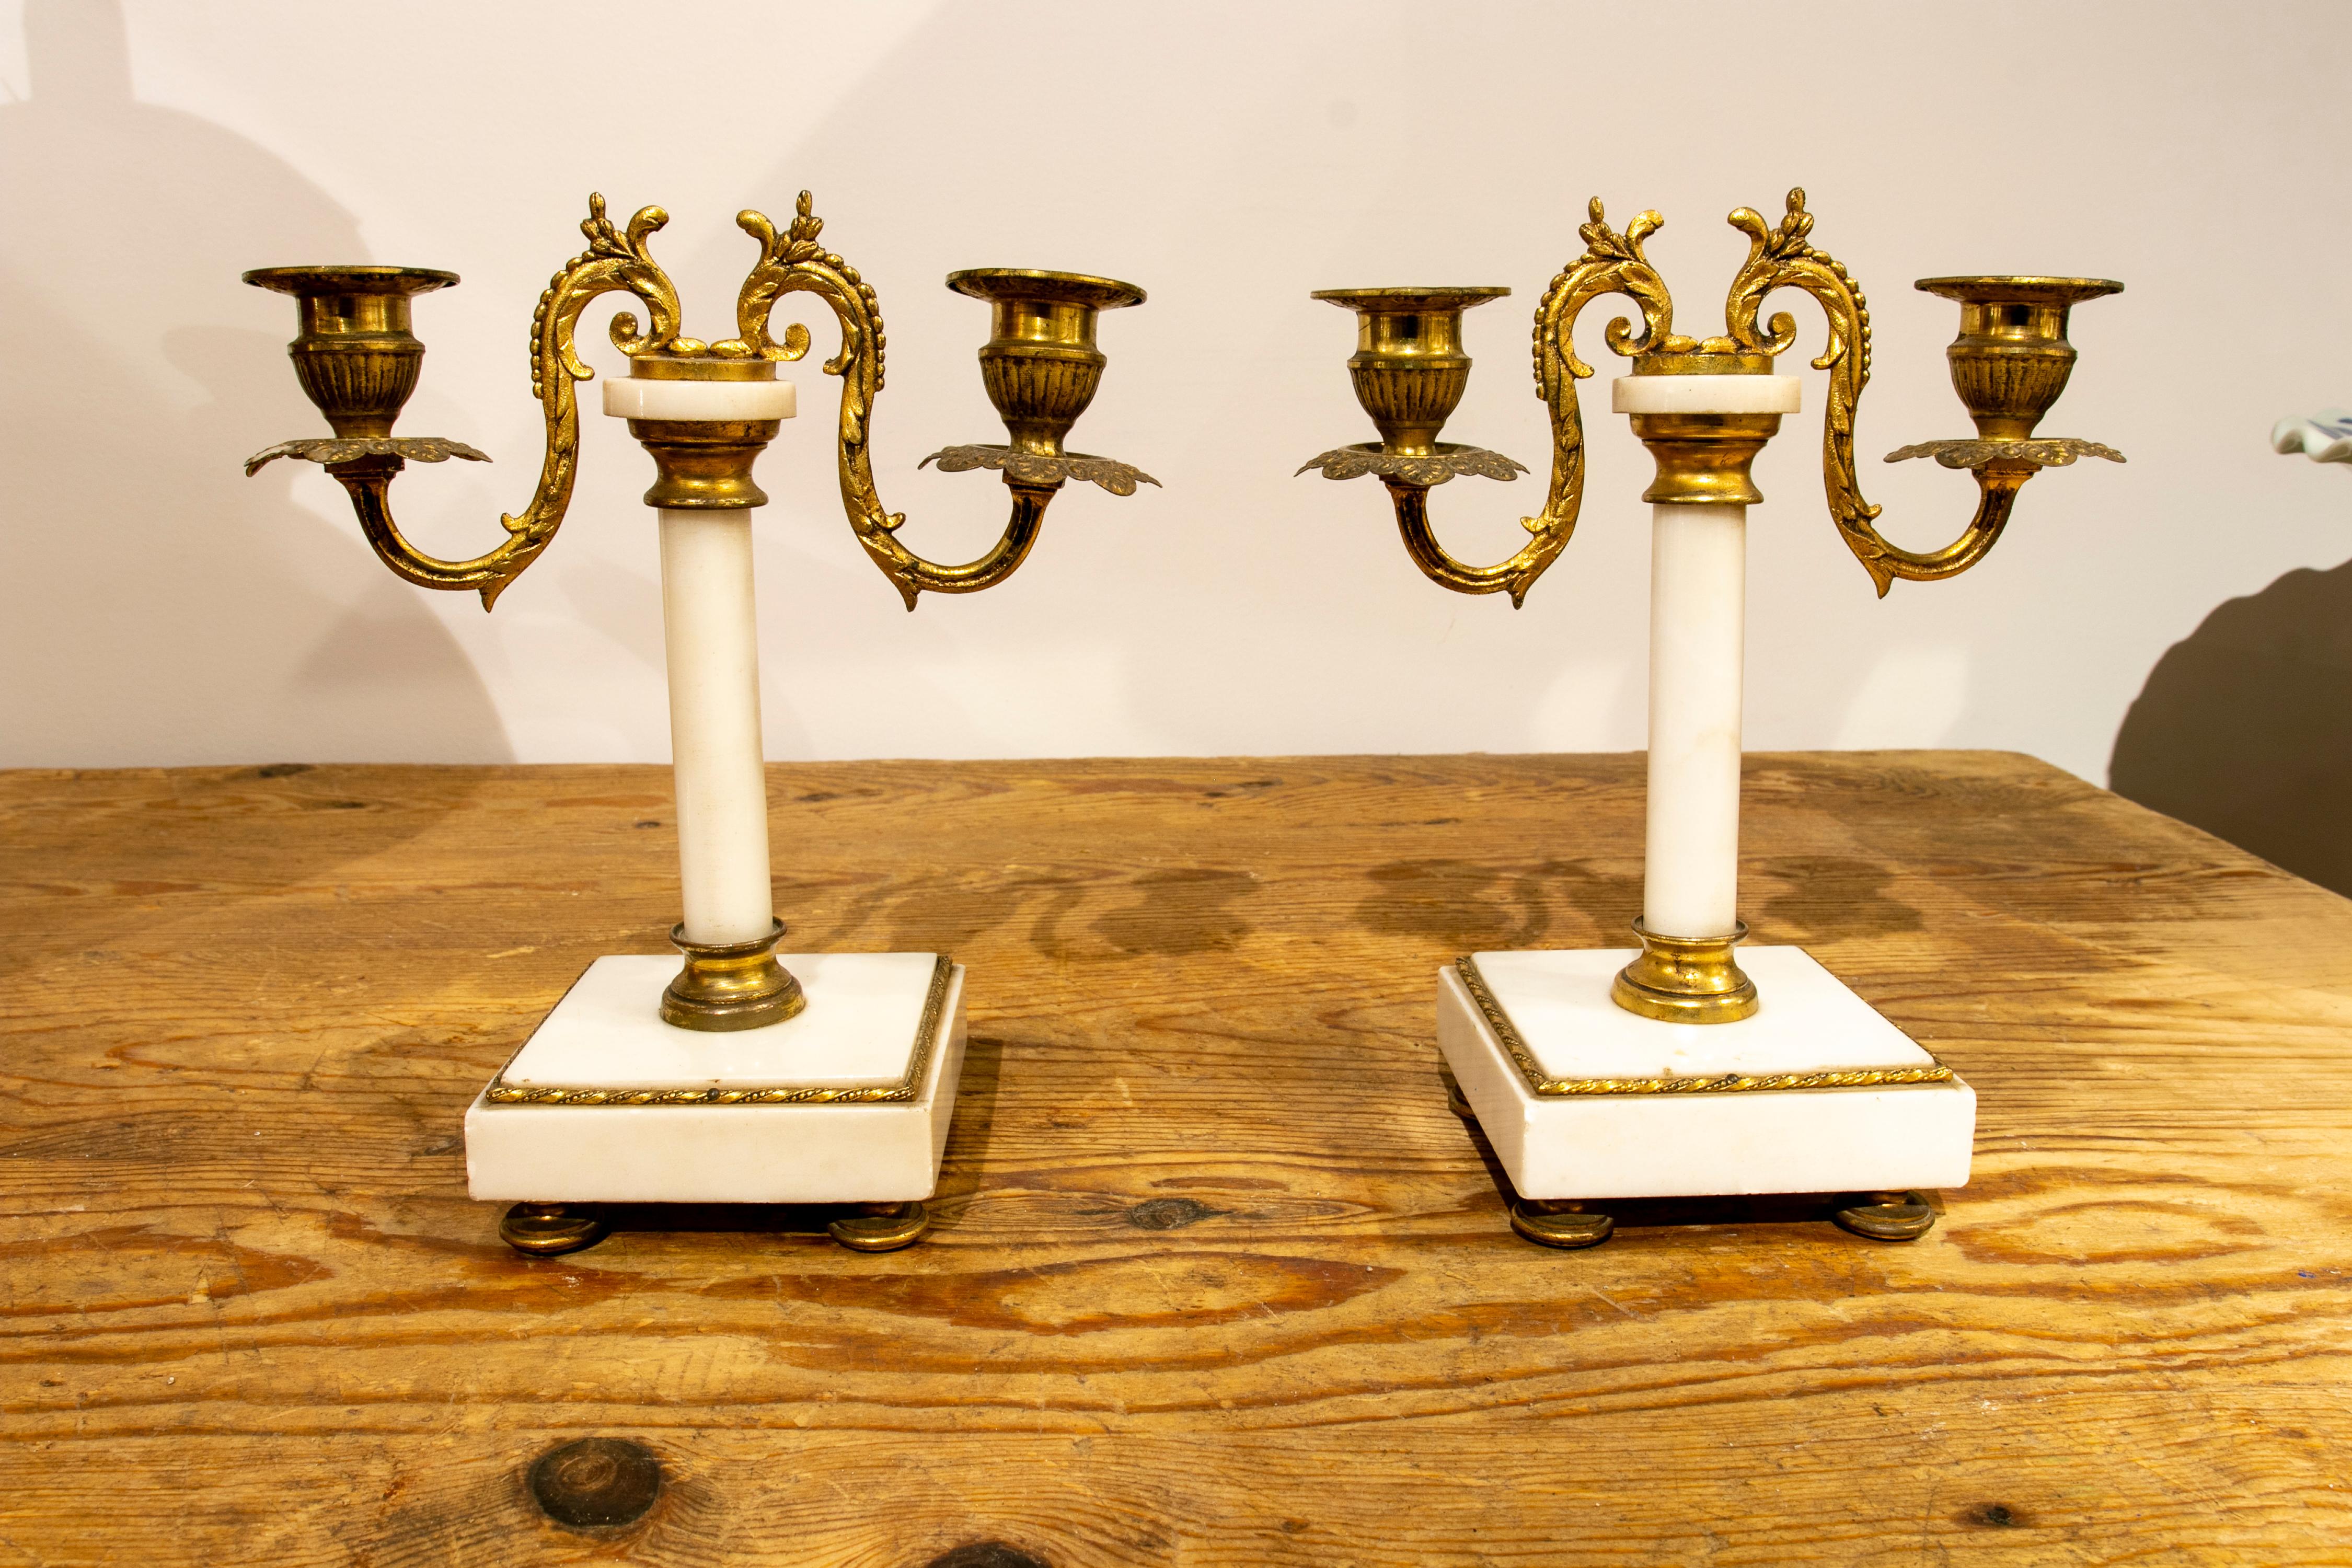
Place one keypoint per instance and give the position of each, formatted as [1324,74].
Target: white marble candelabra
[741,1080]
[1672,1071]
[1777,1079]
[842,1092]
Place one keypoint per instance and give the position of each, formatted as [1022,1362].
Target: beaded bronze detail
[1539,1082]
[918,1063]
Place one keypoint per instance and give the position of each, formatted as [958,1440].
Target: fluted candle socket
[1409,369]
[2012,358]
[1042,369]
[1040,364]
[355,356]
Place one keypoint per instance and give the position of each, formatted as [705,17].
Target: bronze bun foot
[1457,1104]
[1888,1216]
[1553,1222]
[550,1230]
[883,1228]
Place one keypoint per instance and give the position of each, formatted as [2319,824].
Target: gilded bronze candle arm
[1410,375]
[1041,369]
[2009,365]
[358,361]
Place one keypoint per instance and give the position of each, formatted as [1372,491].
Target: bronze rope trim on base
[1726,1083]
[918,1062]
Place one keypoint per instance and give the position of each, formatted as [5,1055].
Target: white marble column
[1698,590]
[1698,621]
[711,638]
[710,641]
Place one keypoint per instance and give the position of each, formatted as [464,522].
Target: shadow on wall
[2246,728]
[160,607]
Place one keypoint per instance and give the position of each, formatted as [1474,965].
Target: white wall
[161,608]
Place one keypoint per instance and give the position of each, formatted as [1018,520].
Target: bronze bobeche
[358,361]
[2009,363]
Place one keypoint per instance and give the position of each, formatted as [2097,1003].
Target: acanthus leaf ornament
[337,449]
[2053,452]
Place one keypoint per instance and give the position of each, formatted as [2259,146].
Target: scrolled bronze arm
[2009,365]
[1039,386]
[1410,375]
[359,362]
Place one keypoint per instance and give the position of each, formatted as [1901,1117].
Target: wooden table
[1217,1280]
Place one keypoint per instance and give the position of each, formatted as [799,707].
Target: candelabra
[831,1079]
[1665,1071]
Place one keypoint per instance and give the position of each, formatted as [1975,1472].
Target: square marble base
[1886,1138]
[605,1104]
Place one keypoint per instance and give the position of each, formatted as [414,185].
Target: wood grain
[1218,1279]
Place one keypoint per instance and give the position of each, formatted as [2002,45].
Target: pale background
[161,608]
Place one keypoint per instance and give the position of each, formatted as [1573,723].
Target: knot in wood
[597,1482]
[1169,1213]
[986,1554]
